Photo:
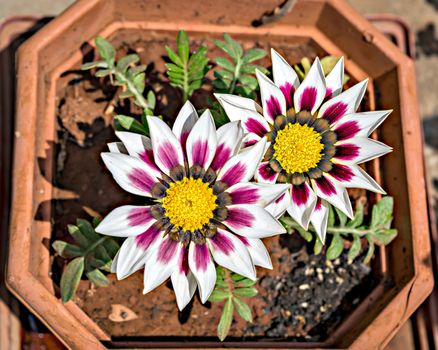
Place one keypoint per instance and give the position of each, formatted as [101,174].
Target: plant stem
[235,77]
[95,244]
[330,229]
[131,88]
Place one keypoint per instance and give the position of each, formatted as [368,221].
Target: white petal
[302,204]
[187,117]
[117,147]
[273,100]
[252,221]
[330,190]
[335,79]
[242,102]
[311,91]
[264,173]
[257,250]
[130,258]
[228,251]
[202,267]
[284,77]
[167,149]
[353,176]
[184,287]
[319,219]
[250,139]
[229,139]
[161,263]
[114,263]
[242,166]
[202,142]
[125,221]
[258,194]
[132,174]
[345,103]
[279,206]
[359,149]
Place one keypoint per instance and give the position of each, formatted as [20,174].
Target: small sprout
[231,287]
[187,71]
[91,253]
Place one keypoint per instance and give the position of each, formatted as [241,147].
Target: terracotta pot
[329,26]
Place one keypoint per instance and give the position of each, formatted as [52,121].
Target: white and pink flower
[317,139]
[201,207]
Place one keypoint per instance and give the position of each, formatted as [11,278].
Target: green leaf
[219,295]
[98,278]
[70,278]
[254,55]
[342,217]
[152,100]
[139,82]
[331,216]
[358,216]
[225,63]
[328,63]
[234,46]
[131,124]
[103,73]
[243,309]
[67,250]
[317,248]
[78,236]
[226,318]
[384,236]
[354,249]
[381,216]
[223,74]
[183,46]
[370,252]
[249,81]
[111,246]
[336,247]
[246,292]
[226,48]
[95,64]
[305,234]
[87,229]
[125,94]
[251,69]
[245,283]
[174,57]
[198,60]
[124,62]
[106,50]
[96,221]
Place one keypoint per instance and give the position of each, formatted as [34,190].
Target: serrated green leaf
[106,50]
[251,69]
[67,250]
[245,283]
[219,295]
[355,248]
[225,63]
[70,278]
[98,278]
[198,60]
[245,292]
[223,74]
[342,217]
[220,84]
[249,81]
[336,247]
[174,57]
[254,55]
[131,124]
[237,278]
[78,236]
[125,61]
[174,68]
[226,318]
[183,46]
[243,309]
[235,47]
[226,48]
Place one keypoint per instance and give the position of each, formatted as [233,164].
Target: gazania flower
[201,206]
[317,139]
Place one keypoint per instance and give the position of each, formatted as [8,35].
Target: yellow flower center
[189,203]
[298,148]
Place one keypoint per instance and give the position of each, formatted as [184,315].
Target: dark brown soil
[303,297]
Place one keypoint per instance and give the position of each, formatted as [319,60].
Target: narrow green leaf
[331,216]
[336,247]
[227,49]
[254,55]
[87,229]
[111,246]
[235,47]
[358,216]
[317,248]
[305,234]
[226,318]
[125,94]
[98,278]
[183,46]
[102,73]
[342,217]
[220,84]
[354,249]
[174,57]
[225,63]
[219,295]
[78,236]
[70,278]
[251,69]
[95,64]
[152,100]
[237,278]
[243,309]
[198,59]
[223,74]
[245,283]
[131,124]
[328,63]
[249,81]
[370,252]
[67,250]
[246,292]
[174,68]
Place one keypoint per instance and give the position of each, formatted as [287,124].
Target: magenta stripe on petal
[334,112]
[273,106]
[183,262]
[308,98]
[341,172]
[328,94]
[239,218]
[266,172]
[244,240]
[253,125]
[300,194]
[222,243]
[183,138]
[201,256]
[249,143]
[167,250]
[347,151]
[325,186]
[141,180]
[139,216]
[145,239]
[347,130]
[148,157]
[318,205]
[223,153]
[288,91]
[200,152]
[245,196]
[234,174]
[168,155]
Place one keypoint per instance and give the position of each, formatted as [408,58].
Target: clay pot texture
[332,26]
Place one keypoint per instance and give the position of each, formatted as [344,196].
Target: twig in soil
[275,15]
